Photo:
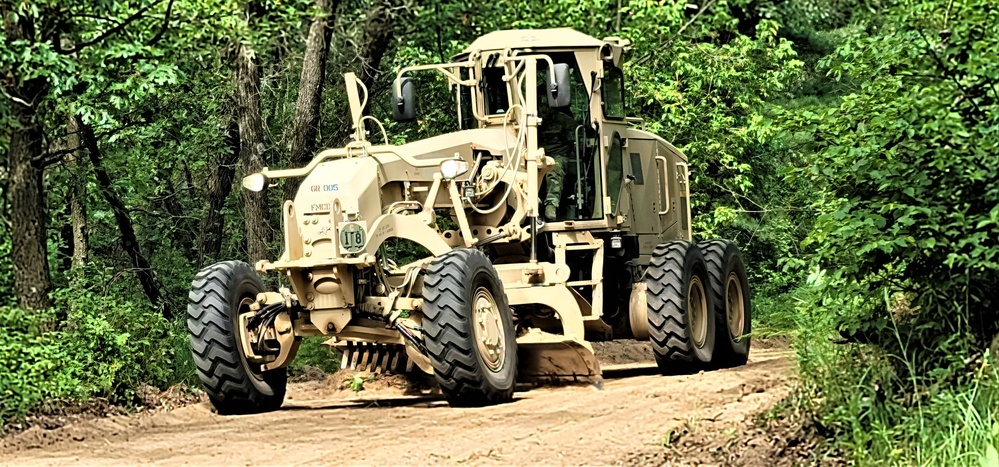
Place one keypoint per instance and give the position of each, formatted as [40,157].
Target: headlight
[255,182]
[453,168]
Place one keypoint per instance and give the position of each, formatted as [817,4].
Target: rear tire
[730,291]
[219,293]
[468,329]
[681,320]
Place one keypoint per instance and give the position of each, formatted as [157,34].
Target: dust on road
[322,424]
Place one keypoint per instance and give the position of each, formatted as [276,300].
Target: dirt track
[321,424]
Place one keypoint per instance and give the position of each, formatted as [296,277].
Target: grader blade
[558,362]
[371,357]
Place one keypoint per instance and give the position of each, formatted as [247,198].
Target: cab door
[641,184]
[674,192]
[613,131]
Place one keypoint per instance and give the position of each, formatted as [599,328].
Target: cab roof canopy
[558,38]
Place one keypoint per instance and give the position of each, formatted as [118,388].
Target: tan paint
[388,191]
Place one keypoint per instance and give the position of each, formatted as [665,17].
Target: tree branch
[163,27]
[945,69]
[15,98]
[112,31]
[53,157]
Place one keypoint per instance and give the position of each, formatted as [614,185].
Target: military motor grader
[504,293]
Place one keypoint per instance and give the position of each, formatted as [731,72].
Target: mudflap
[557,362]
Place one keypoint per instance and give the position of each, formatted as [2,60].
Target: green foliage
[905,168]
[106,349]
[122,344]
[905,245]
[312,352]
[38,367]
[6,268]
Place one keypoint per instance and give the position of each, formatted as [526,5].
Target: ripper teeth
[374,358]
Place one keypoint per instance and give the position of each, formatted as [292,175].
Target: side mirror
[559,94]
[404,100]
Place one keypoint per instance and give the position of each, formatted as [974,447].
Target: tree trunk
[25,191]
[29,253]
[251,150]
[77,196]
[129,241]
[310,90]
[375,41]
[217,190]
[378,33]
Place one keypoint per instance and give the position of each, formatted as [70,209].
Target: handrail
[340,153]
[664,188]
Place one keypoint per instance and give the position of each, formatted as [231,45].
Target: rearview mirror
[404,100]
[559,93]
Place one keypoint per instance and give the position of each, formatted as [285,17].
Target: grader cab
[549,221]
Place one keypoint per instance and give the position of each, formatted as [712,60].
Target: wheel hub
[697,312]
[735,311]
[488,329]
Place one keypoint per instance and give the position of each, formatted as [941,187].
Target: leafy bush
[37,367]
[906,170]
[906,264]
[121,343]
[105,348]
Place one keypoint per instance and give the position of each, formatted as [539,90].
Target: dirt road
[322,424]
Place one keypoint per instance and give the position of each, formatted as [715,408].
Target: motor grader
[502,293]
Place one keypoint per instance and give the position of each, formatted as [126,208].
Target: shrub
[37,367]
[121,343]
[104,348]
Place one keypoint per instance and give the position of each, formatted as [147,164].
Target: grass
[854,398]
[959,427]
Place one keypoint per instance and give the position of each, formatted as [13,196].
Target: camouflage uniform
[556,135]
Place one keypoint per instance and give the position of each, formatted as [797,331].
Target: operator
[556,135]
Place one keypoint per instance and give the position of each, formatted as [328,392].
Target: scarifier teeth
[374,358]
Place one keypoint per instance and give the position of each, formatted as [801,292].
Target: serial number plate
[352,237]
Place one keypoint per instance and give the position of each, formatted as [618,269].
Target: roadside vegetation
[848,146]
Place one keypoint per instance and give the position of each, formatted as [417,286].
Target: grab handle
[663,187]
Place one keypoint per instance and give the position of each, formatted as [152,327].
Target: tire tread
[215,346]
[448,335]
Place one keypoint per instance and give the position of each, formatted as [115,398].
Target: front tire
[219,294]
[730,290]
[681,320]
[468,329]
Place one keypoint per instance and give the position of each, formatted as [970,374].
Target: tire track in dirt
[623,423]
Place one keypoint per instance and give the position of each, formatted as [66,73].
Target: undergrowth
[102,349]
[872,414]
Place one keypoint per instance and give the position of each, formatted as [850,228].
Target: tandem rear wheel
[733,311]
[698,306]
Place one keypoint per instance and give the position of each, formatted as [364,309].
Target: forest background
[849,147]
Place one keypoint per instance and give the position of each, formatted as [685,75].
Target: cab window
[466,119]
[612,93]
[495,90]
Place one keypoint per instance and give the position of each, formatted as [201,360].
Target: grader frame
[503,294]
